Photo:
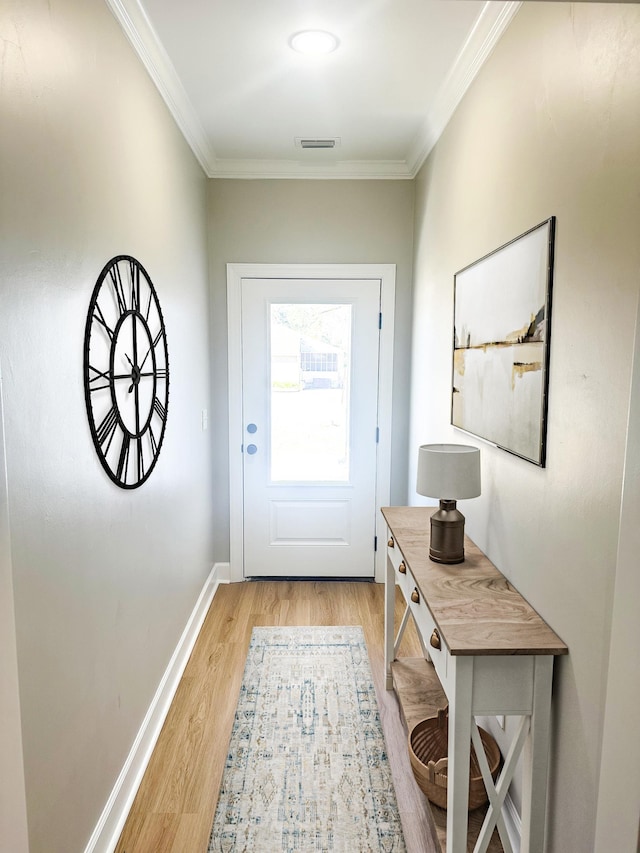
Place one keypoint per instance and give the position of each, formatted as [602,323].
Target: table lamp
[449,472]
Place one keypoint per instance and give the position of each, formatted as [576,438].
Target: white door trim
[386,274]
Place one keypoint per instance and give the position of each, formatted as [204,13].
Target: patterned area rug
[307,768]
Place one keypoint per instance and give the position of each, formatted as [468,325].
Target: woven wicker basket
[428,747]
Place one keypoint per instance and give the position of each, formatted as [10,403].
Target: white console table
[492,654]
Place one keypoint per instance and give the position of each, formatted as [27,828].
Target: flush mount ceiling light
[314,42]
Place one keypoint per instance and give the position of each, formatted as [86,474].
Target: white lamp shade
[448,471]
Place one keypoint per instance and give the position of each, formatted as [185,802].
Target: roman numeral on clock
[118,287]
[107,428]
[140,459]
[99,374]
[152,439]
[99,316]
[134,274]
[123,461]
[159,409]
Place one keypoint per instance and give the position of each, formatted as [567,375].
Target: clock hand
[135,381]
[154,343]
[128,375]
[146,356]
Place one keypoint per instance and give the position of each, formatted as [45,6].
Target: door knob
[252,428]
[251,449]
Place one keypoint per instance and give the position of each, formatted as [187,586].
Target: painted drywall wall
[550,126]
[92,165]
[309,222]
[618,822]
[13,805]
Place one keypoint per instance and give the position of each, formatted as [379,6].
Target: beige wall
[92,165]
[308,222]
[618,821]
[13,807]
[550,127]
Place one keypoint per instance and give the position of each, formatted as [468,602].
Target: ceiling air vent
[328,142]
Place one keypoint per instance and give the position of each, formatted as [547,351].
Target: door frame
[386,275]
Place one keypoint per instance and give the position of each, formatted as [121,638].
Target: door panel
[309,394]
[310,522]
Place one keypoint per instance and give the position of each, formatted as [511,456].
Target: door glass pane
[310,372]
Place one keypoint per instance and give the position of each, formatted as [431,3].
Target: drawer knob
[415,596]
[402,568]
[391,543]
[434,639]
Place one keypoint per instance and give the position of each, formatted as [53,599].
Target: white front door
[310,352]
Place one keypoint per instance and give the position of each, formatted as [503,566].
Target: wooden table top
[476,609]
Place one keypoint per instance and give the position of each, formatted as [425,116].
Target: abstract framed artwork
[501,340]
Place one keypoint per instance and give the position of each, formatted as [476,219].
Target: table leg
[536,759]
[459,755]
[389,627]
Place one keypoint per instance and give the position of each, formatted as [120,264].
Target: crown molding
[146,43]
[338,170]
[489,28]
[493,21]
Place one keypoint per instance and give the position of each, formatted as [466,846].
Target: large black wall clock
[126,372]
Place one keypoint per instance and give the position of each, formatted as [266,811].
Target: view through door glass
[310,372]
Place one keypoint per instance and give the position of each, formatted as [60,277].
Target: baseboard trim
[108,829]
[513,823]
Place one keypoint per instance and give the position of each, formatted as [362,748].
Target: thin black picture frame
[502,344]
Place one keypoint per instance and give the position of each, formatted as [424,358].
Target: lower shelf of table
[420,695]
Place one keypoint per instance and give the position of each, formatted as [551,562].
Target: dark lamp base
[447,534]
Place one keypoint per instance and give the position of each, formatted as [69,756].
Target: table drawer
[434,642]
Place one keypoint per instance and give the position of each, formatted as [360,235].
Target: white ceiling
[242,97]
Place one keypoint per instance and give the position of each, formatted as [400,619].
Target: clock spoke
[136,396]
[134,325]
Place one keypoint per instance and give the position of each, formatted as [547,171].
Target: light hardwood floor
[173,810]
